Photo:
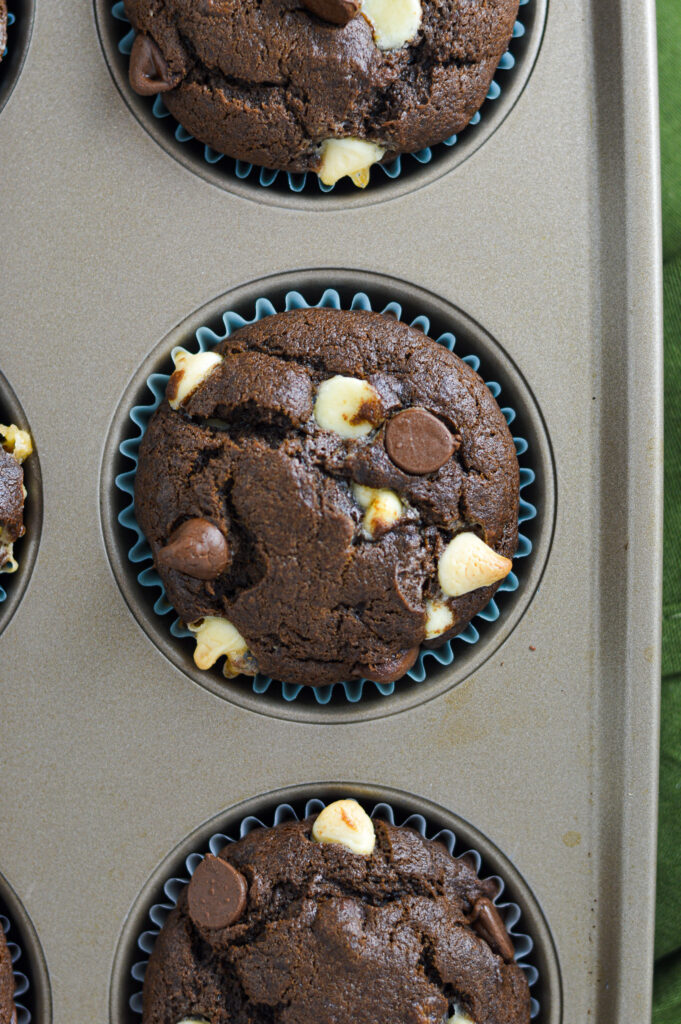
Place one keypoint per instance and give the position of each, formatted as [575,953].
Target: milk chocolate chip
[487,922]
[390,671]
[216,896]
[197,548]
[418,442]
[149,72]
[338,12]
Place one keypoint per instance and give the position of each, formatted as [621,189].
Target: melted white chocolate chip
[394,22]
[383,508]
[467,563]
[352,157]
[459,1017]
[345,822]
[348,406]
[215,638]
[17,442]
[190,371]
[439,618]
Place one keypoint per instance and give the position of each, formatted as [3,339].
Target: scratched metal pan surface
[539,242]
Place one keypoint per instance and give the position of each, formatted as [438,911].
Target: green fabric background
[667,997]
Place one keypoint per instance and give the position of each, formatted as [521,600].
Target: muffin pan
[547,240]
[13,585]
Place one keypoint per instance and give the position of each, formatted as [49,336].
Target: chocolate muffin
[335,920]
[331,86]
[15,446]
[3,28]
[7,1009]
[324,492]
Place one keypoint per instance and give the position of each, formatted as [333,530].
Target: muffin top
[272,81]
[335,487]
[323,493]
[7,1011]
[290,926]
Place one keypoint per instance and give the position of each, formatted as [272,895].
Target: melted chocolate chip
[390,671]
[338,12]
[197,548]
[216,896]
[487,922]
[418,442]
[148,72]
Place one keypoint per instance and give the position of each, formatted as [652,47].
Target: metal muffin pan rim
[33,963]
[18,44]
[438,680]
[15,584]
[494,861]
[346,197]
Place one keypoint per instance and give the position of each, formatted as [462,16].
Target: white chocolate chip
[459,1017]
[383,508]
[394,22]
[467,563]
[215,638]
[343,403]
[194,1020]
[353,157]
[348,824]
[364,495]
[439,618]
[17,442]
[190,371]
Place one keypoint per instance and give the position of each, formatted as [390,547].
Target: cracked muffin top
[7,1011]
[337,919]
[330,86]
[324,492]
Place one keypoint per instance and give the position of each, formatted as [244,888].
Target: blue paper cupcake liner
[158,912]
[21,982]
[296,182]
[139,553]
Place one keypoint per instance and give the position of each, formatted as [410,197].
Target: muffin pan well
[530,933]
[130,556]
[32,996]
[13,585]
[548,239]
[404,174]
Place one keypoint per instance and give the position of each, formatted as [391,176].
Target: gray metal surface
[547,236]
